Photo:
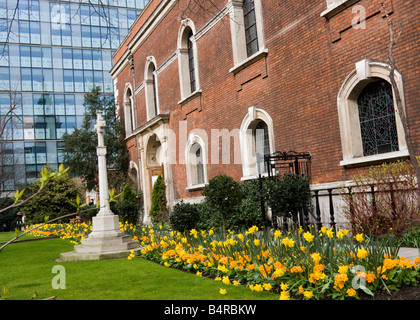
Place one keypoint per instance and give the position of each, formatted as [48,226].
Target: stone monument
[106,241]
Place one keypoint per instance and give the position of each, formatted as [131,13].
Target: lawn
[6,236]
[26,268]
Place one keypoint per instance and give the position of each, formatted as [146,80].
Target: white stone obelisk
[106,223]
[106,241]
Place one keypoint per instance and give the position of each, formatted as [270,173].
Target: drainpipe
[131,61]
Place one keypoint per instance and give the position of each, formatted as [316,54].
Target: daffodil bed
[298,265]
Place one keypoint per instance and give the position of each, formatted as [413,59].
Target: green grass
[26,267]
[6,236]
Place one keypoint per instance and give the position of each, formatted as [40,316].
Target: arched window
[129,114]
[151,89]
[261,143]
[377,118]
[370,128]
[187,60]
[196,162]
[256,136]
[191,63]
[197,169]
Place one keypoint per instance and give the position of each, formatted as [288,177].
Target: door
[154,173]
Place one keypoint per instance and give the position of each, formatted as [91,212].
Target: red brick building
[202,86]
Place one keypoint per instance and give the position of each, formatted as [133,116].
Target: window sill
[337,7]
[361,161]
[250,60]
[190,97]
[264,175]
[196,187]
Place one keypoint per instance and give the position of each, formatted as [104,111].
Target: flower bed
[304,265]
[308,265]
[74,232]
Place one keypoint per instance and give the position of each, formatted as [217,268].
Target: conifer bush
[159,211]
[127,209]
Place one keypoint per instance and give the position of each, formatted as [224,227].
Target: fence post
[332,223]
[317,211]
[372,193]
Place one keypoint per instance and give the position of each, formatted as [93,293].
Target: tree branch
[398,100]
[41,225]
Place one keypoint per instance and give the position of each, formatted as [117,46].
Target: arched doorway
[154,161]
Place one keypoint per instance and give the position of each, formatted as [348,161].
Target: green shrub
[9,217]
[88,212]
[209,216]
[288,195]
[184,216]
[159,210]
[249,210]
[225,195]
[53,201]
[128,194]
[244,210]
[127,209]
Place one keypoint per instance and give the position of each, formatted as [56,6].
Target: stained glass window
[377,119]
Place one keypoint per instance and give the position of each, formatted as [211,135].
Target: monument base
[106,241]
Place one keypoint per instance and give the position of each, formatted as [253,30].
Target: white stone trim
[193,139]
[183,62]
[238,30]
[336,6]
[149,78]
[250,60]
[348,114]
[249,161]
[129,109]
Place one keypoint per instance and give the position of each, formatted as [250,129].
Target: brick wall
[297,83]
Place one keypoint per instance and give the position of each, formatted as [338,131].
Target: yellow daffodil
[267,286]
[308,236]
[284,286]
[226,280]
[359,237]
[316,257]
[284,295]
[258,288]
[362,253]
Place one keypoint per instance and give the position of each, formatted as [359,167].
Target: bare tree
[98,7]
[8,120]
[199,7]
[400,108]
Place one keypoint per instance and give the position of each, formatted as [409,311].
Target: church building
[205,86]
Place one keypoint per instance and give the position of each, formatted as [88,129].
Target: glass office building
[51,53]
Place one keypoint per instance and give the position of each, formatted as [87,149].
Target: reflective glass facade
[51,53]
